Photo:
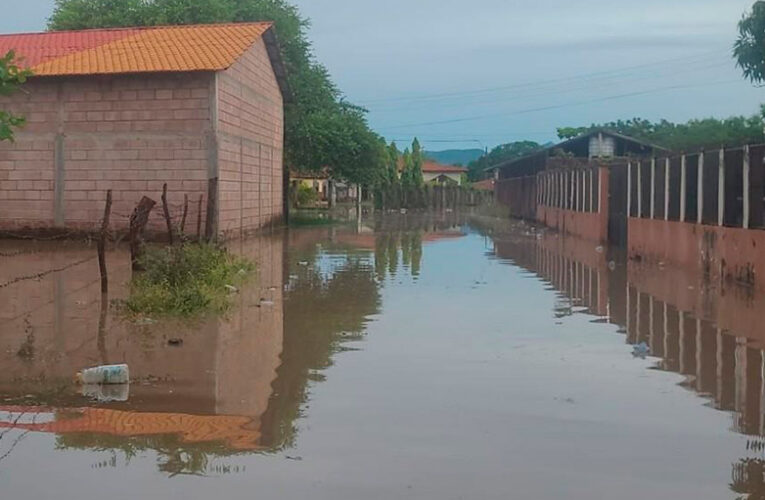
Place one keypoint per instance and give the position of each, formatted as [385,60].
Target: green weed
[186,280]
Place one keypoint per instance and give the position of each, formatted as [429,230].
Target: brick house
[198,107]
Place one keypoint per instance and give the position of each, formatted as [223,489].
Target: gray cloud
[401,48]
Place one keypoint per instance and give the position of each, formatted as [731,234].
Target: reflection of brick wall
[734,309]
[250,339]
[225,365]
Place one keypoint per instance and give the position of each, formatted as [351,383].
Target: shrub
[306,195]
[185,280]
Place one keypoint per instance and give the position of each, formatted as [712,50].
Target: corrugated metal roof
[211,47]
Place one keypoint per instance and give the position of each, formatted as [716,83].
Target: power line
[564,105]
[541,82]
[542,91]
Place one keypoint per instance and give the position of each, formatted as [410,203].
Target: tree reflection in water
[328,304]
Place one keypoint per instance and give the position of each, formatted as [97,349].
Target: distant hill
[455,156]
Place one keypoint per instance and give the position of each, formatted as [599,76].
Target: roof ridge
[140,28]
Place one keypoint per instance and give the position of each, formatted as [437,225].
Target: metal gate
[617,205]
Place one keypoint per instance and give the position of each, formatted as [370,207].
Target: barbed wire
[45,273]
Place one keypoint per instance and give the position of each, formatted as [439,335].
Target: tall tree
[393,159]
[749,48]
[11,78]
[406,173]
[417,160]
[321,129]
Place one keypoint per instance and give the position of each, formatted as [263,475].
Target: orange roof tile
[435,167]
[211,47]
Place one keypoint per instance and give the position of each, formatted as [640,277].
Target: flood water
[439,357]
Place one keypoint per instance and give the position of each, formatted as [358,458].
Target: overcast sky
[484,72]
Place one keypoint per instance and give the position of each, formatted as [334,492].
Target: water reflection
[189,403]
[711,333]
[231,385]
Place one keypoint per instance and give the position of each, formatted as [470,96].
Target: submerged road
[409,357]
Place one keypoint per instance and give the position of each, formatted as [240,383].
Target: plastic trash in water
[641,350]
[106,374]
[106,393]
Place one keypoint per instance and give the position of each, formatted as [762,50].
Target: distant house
[322,182]
[436,173]
[318,181]
[600,145]
[197,107]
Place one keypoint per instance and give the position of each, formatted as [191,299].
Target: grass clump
[185,280]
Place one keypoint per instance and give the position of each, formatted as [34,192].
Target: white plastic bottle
[106,374]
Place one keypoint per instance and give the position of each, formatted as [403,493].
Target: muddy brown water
[407,357]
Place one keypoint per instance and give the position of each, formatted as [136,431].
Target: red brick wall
[250,124]
[721,253]
[126,133]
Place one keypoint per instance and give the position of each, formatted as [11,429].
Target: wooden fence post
[138,221]
[166,211]
[212,209]
[199,217]
[102,243]
[185,212]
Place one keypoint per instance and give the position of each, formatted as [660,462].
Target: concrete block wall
[83,136]
[250,132]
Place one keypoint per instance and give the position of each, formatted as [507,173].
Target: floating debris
[105,374]
[106,393]
[641,350]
